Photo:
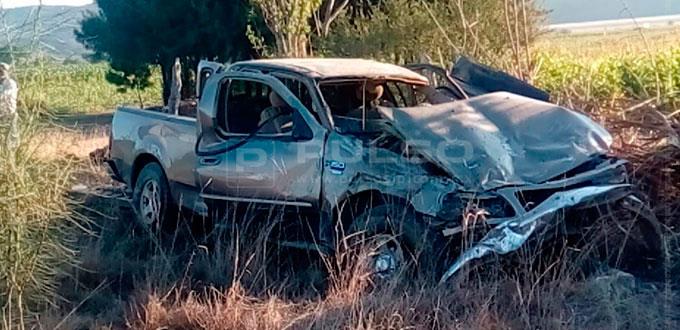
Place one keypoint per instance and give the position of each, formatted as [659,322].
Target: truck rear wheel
[151,199]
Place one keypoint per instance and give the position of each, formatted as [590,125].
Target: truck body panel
[169,139]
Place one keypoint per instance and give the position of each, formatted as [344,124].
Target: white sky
[23,3]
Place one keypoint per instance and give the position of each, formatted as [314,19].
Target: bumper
[510,235]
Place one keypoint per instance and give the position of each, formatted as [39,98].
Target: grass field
[235,278]
[76,88]
[595,46]
[605,68]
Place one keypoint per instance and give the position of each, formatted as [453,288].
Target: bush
[403,31]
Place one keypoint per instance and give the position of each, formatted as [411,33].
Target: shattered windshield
[353,103]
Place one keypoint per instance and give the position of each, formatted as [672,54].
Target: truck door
[267,146]
[205,70]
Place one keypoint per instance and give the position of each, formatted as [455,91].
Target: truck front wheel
[384,243]
[151,198]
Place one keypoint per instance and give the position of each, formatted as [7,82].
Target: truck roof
[328,68]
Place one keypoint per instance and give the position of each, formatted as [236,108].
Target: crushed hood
[500,139]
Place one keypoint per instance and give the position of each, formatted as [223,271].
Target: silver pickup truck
[369,147]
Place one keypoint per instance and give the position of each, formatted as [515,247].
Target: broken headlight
[455,206]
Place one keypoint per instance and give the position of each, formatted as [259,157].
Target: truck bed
[142,135]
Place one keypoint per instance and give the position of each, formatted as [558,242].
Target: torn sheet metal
[477,79]
[500,139]
[355,167]
[511,235]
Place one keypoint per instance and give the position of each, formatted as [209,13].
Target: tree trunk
[175,88]
[188,78]
[189,66]
[166,73]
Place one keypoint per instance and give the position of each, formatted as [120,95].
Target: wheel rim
[150,203]
[387,258]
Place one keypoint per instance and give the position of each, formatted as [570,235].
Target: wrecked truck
[363,146]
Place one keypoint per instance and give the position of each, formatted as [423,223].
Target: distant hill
[56,26]
[573,11]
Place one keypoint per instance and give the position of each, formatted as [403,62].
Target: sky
[568,11]
[561,11]
[23,3]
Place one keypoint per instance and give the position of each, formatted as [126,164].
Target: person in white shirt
[9,118]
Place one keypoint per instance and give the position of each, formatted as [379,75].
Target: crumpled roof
[324,68]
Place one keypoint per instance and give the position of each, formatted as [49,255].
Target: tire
[154,208]
[385,243]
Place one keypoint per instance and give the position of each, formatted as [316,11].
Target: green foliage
[636,76]
[259,36]
[77,88]
[135,34]
[405,31]
[138,79]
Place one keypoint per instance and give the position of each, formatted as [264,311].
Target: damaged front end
[517,163]
[500,166]
[536,209]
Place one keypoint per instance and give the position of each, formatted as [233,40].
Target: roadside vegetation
[37,226]
[621,67]
[51,88]
[70,258]
[48,87]
[612,78]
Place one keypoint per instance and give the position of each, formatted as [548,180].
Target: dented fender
[351,168]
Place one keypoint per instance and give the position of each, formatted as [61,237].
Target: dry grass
[56,143]
[37,227]
[236,278]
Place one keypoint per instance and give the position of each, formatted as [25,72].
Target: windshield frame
[336,80]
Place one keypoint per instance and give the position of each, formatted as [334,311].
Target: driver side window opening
[249,107]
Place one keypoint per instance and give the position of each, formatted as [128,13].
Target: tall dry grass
[236,277]
[37,228]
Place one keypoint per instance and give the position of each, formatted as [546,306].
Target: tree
[289,23]
[136,34]
[329,12]
[497,32]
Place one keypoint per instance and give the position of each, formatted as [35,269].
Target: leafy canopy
[407,31]
[134,34]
